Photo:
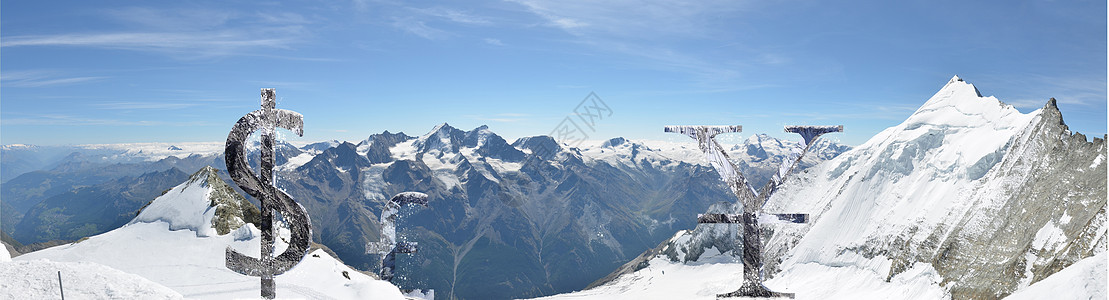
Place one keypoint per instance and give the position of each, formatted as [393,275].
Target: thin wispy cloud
[494,42]
[42,78]
[502,117]
[280,84]
[222,41]
[1088,91]
[180,61]
[170,20]
[453,15]
[152,105]
[53,82]
[428,23]
[711,75]
[282,18]
[70,120]
[839,117]
[555,17]
[658,32]
[633,19]
[419,28]
[571,86]
[1081,91]
[183,34]
[1026,103]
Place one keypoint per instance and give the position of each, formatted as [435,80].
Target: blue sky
[181,71]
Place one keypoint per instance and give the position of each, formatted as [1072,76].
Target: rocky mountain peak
[443,138]
[1050,113]
[232,210]
[320,146]
[614,142]
[755,148]
[542,145]
[385,137]
[956,115]
[490,144]
[986,198]
[478,137]
[377,146]
[960,99]
[345,155]
[204,203]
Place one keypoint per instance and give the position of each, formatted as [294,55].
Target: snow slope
[185,206]
[967,195]
[38,279]
[173,242]
[1082,280]
[905,179]
[966,184]
[717,273]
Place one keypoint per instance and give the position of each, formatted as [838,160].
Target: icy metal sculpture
[751,200]
[261,186]
[388,247]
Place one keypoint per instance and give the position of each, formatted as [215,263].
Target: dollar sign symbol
[267,119]
[388,247]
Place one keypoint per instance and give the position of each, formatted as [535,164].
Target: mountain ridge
[966,191]
[534,204]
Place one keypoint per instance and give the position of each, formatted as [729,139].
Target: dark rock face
[1048,185]
[443,138]
[542,147]
[232,209]
[379,144]
[613,142]
[328,186]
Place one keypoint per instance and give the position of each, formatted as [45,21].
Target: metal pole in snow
[60,290]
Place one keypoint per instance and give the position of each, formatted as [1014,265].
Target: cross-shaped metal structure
[751,200]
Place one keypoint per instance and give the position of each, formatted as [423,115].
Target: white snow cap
[186,206]
[959,103]
[956,114]
[4,255]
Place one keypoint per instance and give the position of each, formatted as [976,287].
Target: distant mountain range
[504,220]
[967,199]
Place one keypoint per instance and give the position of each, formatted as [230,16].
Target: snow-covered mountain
[177,242]
[967,198]
[554,217]
[529,218]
